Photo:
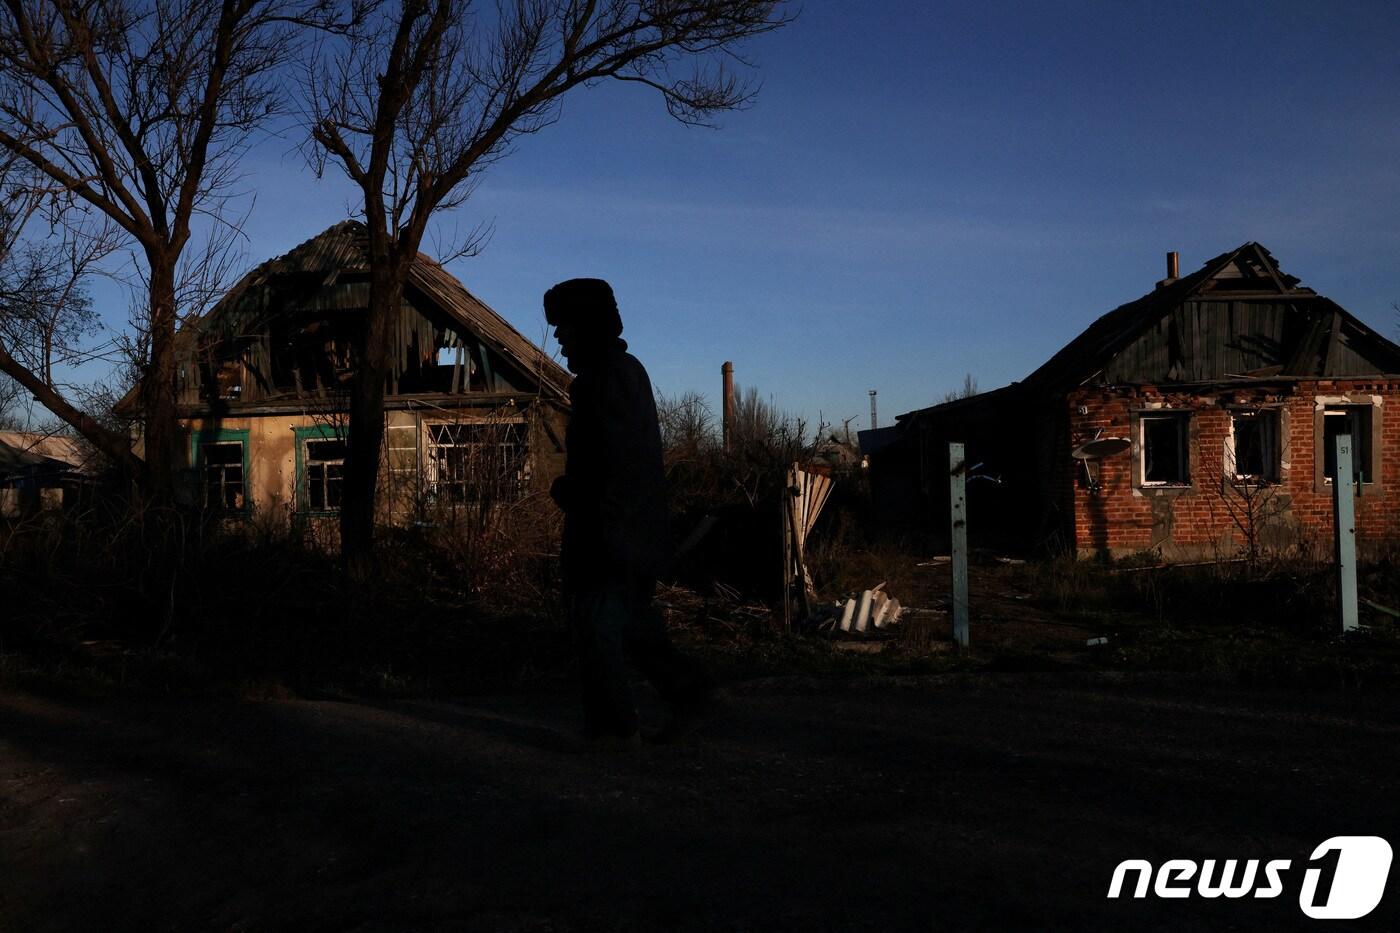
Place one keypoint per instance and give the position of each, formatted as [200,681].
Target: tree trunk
[158,389]
[357,504]
[112,443]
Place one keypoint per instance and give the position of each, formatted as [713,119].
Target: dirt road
[988,802]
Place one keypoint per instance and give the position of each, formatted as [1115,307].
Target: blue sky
[926,190]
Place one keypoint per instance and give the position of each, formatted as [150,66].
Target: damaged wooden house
[475,412]
[1197,422]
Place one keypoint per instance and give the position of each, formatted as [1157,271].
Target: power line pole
[1344,512]
[957,490]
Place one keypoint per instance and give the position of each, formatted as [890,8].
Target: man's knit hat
[587,304]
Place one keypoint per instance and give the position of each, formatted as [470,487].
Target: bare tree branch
[139,111]
[414,107]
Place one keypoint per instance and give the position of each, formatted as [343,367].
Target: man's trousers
[612,623]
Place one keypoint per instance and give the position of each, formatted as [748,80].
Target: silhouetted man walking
[616,542]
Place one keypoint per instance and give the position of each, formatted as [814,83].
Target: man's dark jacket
[614,488]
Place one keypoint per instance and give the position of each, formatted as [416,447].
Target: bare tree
[9,403]
[1253,503]
[46,314]
[413,111]
[136,112]
[765,441]
[46,318]
[759,423]
[688,425]
[968,390]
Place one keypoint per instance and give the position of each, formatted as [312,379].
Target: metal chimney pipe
[874,422]
[727,409]
[1173,267]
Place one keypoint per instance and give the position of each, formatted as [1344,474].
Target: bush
[472,603]
[738,493]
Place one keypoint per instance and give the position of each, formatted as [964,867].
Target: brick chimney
[1173,269]
[727,404]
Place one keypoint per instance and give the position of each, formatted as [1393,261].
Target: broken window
[228,381]
[477,462]
[1256,450]
[223,475]
[311,353]
[1347,419]
[325,470]
[1165,461]
[444,360]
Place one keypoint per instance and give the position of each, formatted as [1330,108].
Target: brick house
[473,409]
[1223,390]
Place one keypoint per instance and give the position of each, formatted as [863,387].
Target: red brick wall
[1200,521]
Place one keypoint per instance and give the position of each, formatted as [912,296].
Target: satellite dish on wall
[1091,452]
[1101,447]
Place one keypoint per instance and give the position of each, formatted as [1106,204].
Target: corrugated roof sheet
[72,453]
[27,452]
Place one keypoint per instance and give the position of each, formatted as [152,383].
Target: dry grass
[468,601]
[923,632]
[234,603]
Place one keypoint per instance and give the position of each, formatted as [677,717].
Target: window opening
[1347,419]
[1164,452]
[325,470]
[476,462]
[1256,450]
[223,475]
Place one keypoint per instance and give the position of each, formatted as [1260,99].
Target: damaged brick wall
[1203,517]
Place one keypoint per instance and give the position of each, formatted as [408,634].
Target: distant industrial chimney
[1173,269]
[727,403]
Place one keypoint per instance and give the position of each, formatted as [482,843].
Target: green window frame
[305,435]
[204,437]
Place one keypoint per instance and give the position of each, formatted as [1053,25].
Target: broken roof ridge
[1084,356]
[342,246]
[1044,371]
[1102,338]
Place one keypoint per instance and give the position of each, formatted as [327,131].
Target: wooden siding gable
[1239,316]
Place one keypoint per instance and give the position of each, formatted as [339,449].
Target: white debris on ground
[871,611]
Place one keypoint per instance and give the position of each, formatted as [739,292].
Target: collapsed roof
[327,277]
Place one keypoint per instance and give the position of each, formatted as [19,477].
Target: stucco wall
[271,472]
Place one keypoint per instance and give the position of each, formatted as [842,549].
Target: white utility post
[1344,513]
[957,487]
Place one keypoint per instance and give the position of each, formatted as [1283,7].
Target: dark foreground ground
[959,802]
